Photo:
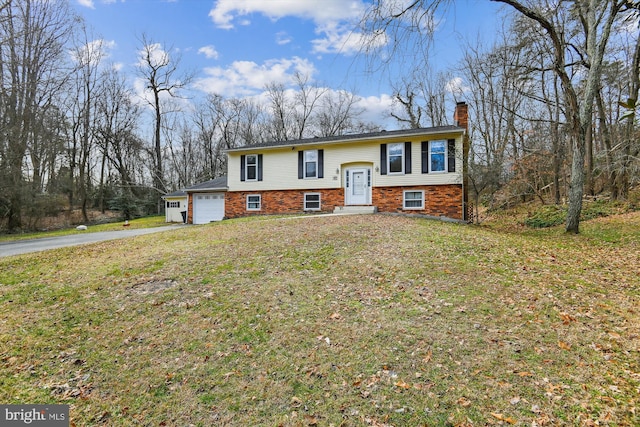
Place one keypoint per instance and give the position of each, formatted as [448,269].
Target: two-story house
[420,171]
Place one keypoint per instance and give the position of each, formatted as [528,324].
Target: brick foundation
[280,202]
[439,200]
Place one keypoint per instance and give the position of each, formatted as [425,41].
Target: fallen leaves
[403,385]
[503,418]
[567,318]
[564,345]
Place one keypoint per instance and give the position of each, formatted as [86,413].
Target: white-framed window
[311,201]
[438,156]
[251,167]
[413,200]
[173,204]
[254,202]
[311,163]
[395,158]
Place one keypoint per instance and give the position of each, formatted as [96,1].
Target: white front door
[358,186]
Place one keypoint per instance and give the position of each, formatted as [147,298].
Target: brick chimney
[461,116]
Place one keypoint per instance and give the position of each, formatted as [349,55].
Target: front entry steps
[352,210]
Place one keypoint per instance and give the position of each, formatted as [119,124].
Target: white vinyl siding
[280,167]
[173,213]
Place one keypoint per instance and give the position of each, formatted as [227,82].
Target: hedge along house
[419,171]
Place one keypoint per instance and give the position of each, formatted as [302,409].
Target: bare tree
[338,113]
[87,53]
[411,112]
[596,18]
[118,118]
[32,55]
[401,21]
[160,69]
[282,111]
[422,99]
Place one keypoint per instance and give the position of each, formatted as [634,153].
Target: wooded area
[552,109]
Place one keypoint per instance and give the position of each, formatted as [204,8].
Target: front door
[358,186]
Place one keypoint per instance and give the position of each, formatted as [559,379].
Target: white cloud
[341,39]
[93,52]
[456,86]
[225,11]
[87,3]
[283,38]
[209,52]
[246,78]
[376,110]
[335,20]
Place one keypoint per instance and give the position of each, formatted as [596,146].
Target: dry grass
[344,321]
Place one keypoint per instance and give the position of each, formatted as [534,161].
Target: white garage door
[208,207]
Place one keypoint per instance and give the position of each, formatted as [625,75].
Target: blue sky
[235,47]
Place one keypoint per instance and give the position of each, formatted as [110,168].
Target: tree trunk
[588,169]
[576,190]
[158,178]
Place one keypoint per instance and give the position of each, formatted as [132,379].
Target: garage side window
[173,204]
[254,202]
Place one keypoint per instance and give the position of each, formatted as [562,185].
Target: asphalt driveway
[19,247]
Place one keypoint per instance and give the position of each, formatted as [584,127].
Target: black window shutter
[300,164]
[451,155]
[259,167]
[425,157]
[407,157]
[383,159]
[320,163]
[243,162]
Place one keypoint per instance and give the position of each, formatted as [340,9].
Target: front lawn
[345,321]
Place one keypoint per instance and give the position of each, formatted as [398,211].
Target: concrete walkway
[19,247]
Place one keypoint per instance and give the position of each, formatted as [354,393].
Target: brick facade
[280,201]
[439,200]
[190,209]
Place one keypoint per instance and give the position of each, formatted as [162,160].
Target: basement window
[413,200]
[312,201]
[254,202]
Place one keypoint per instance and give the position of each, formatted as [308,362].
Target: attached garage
[206,201]
[208,207]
